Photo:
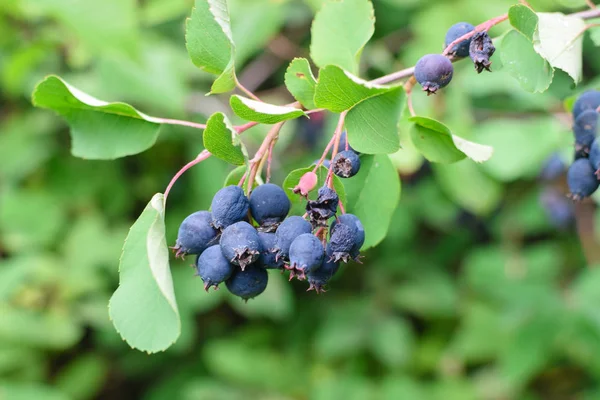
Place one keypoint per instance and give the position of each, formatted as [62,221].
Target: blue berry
[306,255]
[346,164]
[480,51]
[318,278]
[460,49]
[433,72]
[213,268]
[595,156]
[195,234]
[248,283]
[352,221]
[229,205]
[267,259]
[553,168]
[581,179]
[584,129]
[588,100]
[557,207]
[342,241]
[240,244]
[288,230]
[323,208]
[269,205]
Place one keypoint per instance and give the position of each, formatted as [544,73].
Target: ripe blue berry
[346,164]
[269,205]
[319,277]
[480,51]
[195,234]
[460,49]
[267,258]
[553,168]
[595,157]
[288,230]
[584,129]
[588,100]
[433,72]
[557,207]
[581,179]
[306,255]
[323,208]
[229,205]
[352,221]
[248,283]
[213,268]
[240,244]
[342,241]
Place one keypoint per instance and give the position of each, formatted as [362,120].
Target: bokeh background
[480,291]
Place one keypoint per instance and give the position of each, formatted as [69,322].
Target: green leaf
[435,141]
[559,40]
[519,58]
[338,90]
[294,177]
[372,125]
[392,341]
[99,130]
[523,19]
[300,82]
[210,44]
[373,195]
[220,138]
[252,110]
[143,308]
[339,32]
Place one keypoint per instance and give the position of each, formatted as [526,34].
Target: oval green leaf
[221,139]
[301,82]
[252,110]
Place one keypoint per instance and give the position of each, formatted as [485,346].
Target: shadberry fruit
[588,100]
[308,181]
[461,49]
[240,244]
[213,268]
[195,234]
[269,205]
[288,230]
[342,241]
[352,221]
[584,129]
[267,258]
[557,207]
[229,205]
[323,208]
[480,51]
[433,72]
[306,255]
[553,168]
[595,157]
[581,179]
[318,278]
[248,283]
[346,164]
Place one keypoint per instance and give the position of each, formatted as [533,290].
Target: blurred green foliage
[474,293]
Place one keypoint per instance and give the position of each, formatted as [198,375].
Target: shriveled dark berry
[581,179]
[433,72]
[461,49]
[595,157]
[480,51]
[323,208]
[558,208]
[269,205]
[553,168]
[346,164]
[229,205]
[248,283]
[288,230]
[240,244]
[352,221]
[318,278]
[342,241]
[213,268]
[584,129]
[267,258]
[588,100]
[306,255]
[195,234]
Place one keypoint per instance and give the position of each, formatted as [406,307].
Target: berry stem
[483,27]
[245,90]
[341,206]
[262,151]
[204,154]
[336,143]
[270,159]
[408,86]
[324,155]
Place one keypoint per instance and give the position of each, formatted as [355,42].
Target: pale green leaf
[339,32]
[99,130]
[391,340]
[300,82]
[220,138]
[252,110]
[143,308]
[523,19]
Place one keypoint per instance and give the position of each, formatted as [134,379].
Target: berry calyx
[306,255]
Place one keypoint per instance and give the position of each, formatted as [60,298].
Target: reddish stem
[270,159]
[204,154]
[324,155]
[336,143]
[180,122]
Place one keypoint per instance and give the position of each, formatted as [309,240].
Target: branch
[204,154]
[180,122]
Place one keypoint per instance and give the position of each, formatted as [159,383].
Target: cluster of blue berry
[240,238]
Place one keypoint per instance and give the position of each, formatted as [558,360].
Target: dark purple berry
[553,168]
[342,241]
[288,230]
[595,157]
[323,208]
[195,234]
[229,206]
[352,221]
[584,129]
[557,207]
[461,49]
[269,205]
[588,100]
[248,283]
[480,51]
[319,277]
[346,164]
[240,244]
[267,258]
[306,255]
[433,72]
[213,268]
[581,179]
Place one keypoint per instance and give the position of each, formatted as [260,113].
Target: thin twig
[270,159]
[243,89]
[204,154]
[590,4]
[180,122]
[336,143]
[264,147]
